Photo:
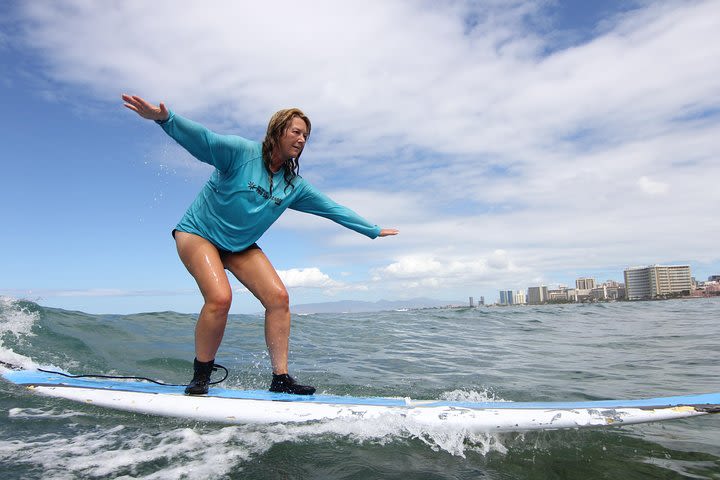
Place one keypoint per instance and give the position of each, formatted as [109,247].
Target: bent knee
[219,302]
[277,300]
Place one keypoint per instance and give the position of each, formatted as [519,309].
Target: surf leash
[117,377]
[10,365]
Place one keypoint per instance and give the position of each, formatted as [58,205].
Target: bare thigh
[203,261]
[254,270]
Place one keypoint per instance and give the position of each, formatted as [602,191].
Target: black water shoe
[286,384]
[201,378]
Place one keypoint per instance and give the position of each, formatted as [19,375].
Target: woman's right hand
[146,109]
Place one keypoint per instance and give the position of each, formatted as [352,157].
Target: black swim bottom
[222,251]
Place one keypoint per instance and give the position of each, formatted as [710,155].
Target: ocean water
[544,353]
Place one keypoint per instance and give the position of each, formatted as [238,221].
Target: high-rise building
[537,295]
[600,292]
[656,281]
[585,283]
[673,279]
[637,283]
[472,302]
[506,297]
[560,294]
[519,298]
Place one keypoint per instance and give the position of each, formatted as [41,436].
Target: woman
[252,185]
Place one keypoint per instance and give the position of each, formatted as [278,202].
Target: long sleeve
[202,143]
[312,201]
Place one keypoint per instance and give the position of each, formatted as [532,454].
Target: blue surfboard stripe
[35,378]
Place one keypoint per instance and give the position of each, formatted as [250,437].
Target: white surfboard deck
[264,407]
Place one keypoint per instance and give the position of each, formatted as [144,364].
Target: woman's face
[293,140]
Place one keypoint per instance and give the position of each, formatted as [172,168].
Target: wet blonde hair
[277,126]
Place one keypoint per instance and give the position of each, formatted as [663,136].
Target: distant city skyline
[641,283]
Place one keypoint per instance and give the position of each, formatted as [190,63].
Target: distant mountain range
[354,306]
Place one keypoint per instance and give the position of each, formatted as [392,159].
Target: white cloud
[313,278]
[414,267]
[306,277]
[412,274]
[499,260]
[652,187]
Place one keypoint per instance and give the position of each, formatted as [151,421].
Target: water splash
[16,322]
[472,396]
[40,413]
[123,451]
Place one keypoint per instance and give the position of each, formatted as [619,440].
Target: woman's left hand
[385,232]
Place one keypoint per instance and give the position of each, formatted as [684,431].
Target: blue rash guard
[237,205]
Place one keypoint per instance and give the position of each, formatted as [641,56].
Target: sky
[512,143]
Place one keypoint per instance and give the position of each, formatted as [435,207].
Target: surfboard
[232,406]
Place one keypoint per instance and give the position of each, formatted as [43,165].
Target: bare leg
[253,269]
[202,260]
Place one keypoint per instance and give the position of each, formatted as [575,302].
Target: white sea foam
[39,413]
[392,428]
[14,318]
[17,321]
[486,395]
[207,452]
[121,451]
[195,454]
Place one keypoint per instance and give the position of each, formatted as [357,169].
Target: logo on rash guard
[263,193]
